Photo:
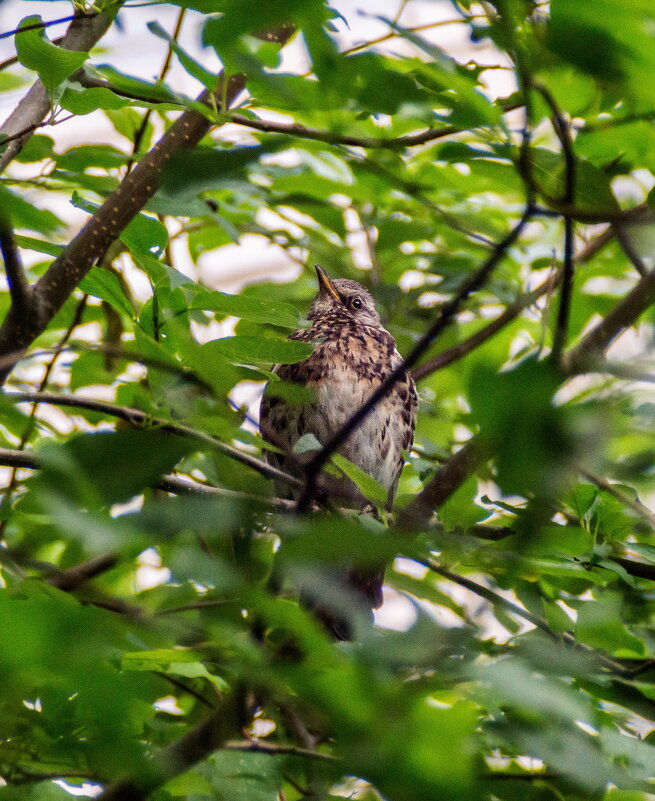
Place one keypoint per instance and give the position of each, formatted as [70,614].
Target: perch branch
[139,419]
[173,484]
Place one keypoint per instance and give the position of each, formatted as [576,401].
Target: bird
[353,354]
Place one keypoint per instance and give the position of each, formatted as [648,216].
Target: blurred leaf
[193,67]
[367,485]
[599,624]
[90,467]
[256,309]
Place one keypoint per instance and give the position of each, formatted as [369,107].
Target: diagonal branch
[53,288]
[447,480]
[174,484]
[465,347]
[446,313]
[333,138]
[586,354]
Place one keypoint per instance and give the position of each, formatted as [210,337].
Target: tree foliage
[507,243]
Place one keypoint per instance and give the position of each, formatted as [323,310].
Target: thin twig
[185,688]
[275,749]
[465,347]
[138,136]
[83,32]
[333,138]
[29,428]
[444,317]
[69,580]
[628,248]
[175,485]
[498,600]
[563,133]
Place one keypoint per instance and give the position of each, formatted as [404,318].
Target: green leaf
[27,215]
[306,444]
[599,624]
[256,309]
[38,245]
[84,101]
[105,285]
[239,776]
[193,67]
[593,192]
[260,349]
[156,92]
[143,235]
[53,64]
[205,168]
[367,485]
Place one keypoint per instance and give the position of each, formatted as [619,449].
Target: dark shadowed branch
[563,133]
[19,288]
[207,737]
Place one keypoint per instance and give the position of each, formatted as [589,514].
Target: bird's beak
[325,286]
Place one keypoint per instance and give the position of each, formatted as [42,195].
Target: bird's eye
[356,303]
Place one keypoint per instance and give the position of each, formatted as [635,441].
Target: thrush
[353,354]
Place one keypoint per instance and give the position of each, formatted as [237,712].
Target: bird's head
[343,296]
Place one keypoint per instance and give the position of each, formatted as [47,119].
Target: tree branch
[332,138]
[480,337]
[207,737]
[444,317]
[588,352]
[276,749]
[19,288]
[29,460]
[563,133]
[540,623]
[447,480]
[43,25]
[83,32]
[72,578]
[139,419]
